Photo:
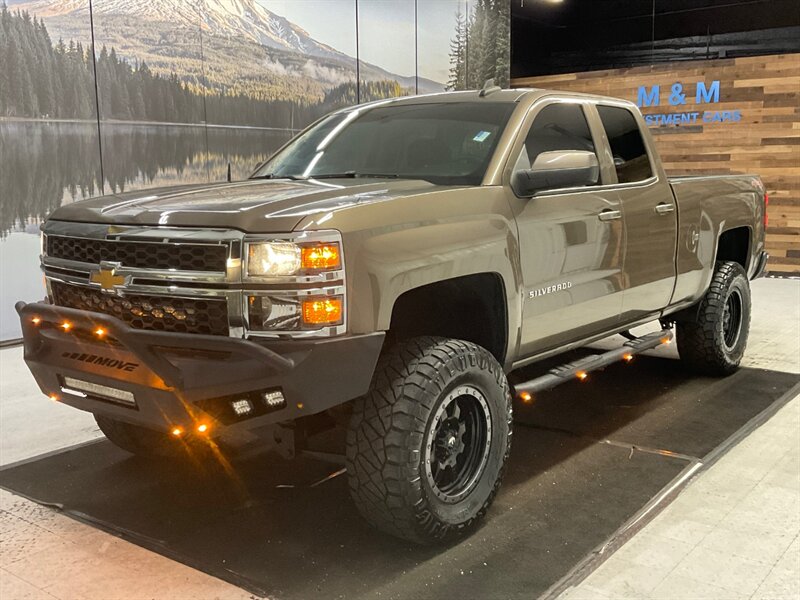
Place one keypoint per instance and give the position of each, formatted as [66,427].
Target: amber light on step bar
[323,311]
[321,256]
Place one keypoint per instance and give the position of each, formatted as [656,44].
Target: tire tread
[389,422]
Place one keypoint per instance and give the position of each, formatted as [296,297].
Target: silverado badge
[107,278]
[535,293]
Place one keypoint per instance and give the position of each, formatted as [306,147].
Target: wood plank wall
[766,141]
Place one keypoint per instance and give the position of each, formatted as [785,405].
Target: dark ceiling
[551,36]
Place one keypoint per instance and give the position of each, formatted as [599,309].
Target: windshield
[445,143]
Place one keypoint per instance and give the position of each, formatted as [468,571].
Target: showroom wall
[719,83]
[177,90]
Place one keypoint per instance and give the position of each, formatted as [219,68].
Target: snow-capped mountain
[246,19]
[246,47]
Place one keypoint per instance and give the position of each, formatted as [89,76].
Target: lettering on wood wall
[715,117]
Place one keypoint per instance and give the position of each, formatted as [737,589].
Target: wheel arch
[470,307]
[734,245]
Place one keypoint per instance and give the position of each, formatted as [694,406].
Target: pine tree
[475,43]
[458,74]
[502,71]
[488,58]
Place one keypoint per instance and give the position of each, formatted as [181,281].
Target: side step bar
[580,369]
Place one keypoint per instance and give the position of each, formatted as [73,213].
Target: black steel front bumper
[180,380]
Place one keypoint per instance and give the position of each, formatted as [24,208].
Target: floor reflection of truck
[385,270]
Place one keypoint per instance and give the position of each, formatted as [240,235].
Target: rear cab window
[627,145]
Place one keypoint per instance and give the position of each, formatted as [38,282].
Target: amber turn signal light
[321,257]
[323,311]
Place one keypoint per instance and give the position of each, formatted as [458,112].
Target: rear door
[650,213]
[571,241]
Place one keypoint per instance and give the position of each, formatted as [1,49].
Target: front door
[571,241]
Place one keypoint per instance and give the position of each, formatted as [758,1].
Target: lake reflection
[46,164]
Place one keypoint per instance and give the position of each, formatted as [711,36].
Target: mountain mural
[231,47]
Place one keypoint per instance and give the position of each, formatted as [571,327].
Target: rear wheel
[139,440]
[714,339]
[427,446]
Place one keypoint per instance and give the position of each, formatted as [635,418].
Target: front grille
[140,255]
[160,313]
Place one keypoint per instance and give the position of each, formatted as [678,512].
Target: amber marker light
[323,311]
[66,326]
[177,431]
[627,357]
[53,397]
[665,340]
[582,375]
[203,428]
[525,397]
[36,320]
[99,332]
[321,257]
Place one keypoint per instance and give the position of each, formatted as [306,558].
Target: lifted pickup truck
[385,270]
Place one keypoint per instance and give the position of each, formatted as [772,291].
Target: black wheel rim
[458,443]
[732,320]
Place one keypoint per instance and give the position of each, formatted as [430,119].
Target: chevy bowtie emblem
[107,278]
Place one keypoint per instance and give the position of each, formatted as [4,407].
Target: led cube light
[274,399]
[242,407]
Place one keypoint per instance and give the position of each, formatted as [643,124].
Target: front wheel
[713,340]
[428,444]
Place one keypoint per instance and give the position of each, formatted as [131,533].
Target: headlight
[294,285]
[273,258]
[280,259]
[273,312]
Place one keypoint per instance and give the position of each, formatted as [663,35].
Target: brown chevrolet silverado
[383,272]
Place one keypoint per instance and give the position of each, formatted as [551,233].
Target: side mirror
[557,169]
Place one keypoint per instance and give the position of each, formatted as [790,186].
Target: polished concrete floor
[687,551]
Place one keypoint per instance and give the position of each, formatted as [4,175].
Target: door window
[627,146]
[560,126]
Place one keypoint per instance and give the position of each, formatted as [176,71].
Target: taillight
[766,206]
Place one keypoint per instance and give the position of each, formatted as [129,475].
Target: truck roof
[517,95]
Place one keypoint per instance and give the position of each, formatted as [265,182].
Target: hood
[254,206]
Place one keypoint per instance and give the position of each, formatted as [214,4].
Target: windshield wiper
[274,176]
[354,175]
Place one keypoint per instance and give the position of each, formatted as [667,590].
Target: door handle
[609,215]
[664,209]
